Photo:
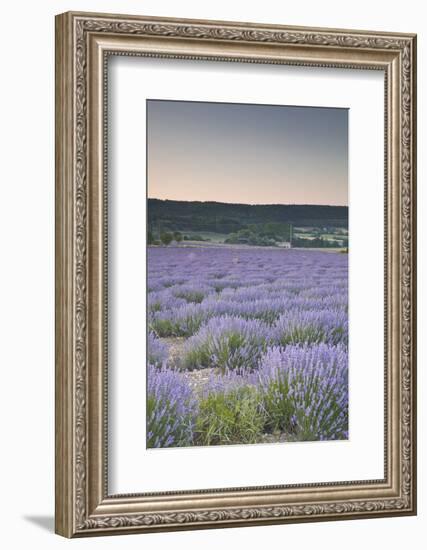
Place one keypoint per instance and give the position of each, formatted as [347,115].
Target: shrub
[182,321]
[166,238]
[312,327]
[157,351]
[192,292]
[227,343]
[305,391]
[163,327]
[171,409]
[229,417]
[163,300]
[196,238]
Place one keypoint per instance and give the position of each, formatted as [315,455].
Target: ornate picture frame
[84,42]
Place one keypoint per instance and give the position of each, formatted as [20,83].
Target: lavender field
[246,345]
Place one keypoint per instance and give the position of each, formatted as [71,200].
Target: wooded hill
[227,218]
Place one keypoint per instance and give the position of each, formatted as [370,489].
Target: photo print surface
[247,274]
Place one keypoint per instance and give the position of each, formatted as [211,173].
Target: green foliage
[166,238]
[309,334]
[199,356]
[195,238]
[196,217]
[317,242]
[264,234]
[234,349]
[177,236]
[304,405]
[245,236]
[164,328]
[185,326]
[195,296]
[230,417]
[275,230]
[165,426]
[150,237]
[279,409]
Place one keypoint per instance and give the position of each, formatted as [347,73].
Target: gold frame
[83,43]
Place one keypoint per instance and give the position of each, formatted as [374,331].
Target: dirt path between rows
[176,347]
[196,378]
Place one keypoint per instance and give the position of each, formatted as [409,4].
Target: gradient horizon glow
[247,153]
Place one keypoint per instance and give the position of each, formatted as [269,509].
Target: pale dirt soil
[176,345]
[196,378]
[276,438]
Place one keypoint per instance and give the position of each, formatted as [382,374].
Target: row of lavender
[189,286]
[274,325]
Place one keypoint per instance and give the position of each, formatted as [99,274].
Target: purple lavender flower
[312,327]
[306,389]
[157,352]
[171,409]
[226,342]
[193,292]
[271,319]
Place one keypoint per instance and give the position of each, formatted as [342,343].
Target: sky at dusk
[251,154]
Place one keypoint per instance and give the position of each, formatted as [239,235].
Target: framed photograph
[235,274]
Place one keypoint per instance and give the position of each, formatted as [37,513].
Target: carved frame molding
[83,42]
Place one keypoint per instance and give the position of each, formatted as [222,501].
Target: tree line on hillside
[165,237]
[253,236]
[266,234]
[228,219]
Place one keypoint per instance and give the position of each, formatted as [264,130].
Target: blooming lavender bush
[157,352]
[192,292]
[171,409]
[182,321]
[305,390]
[311,327]
[227,343]
[272,323]
[163,300]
